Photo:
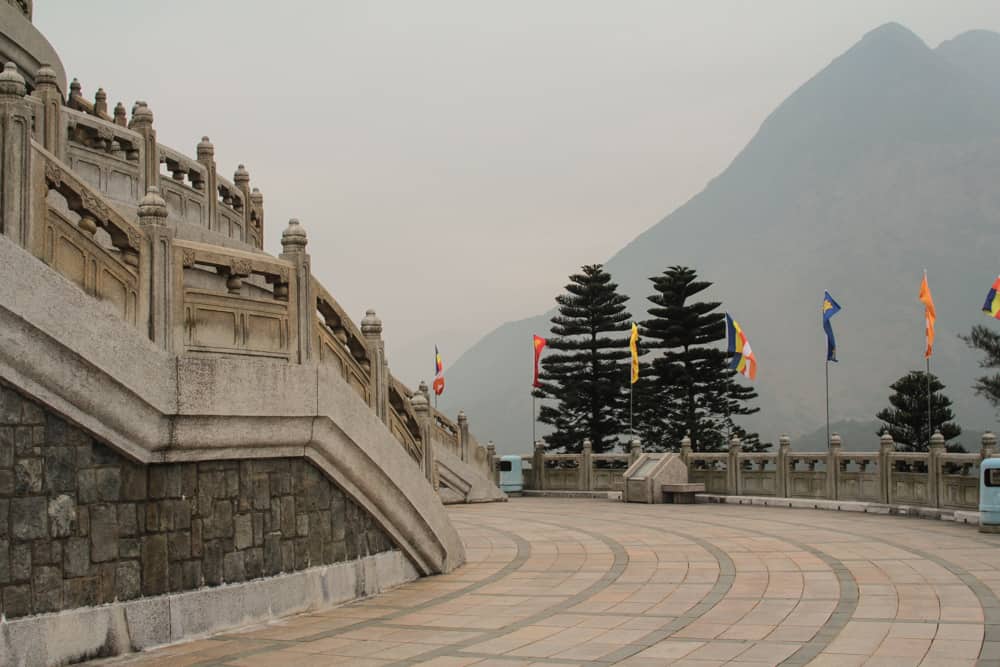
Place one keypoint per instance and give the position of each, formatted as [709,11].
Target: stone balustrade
[177,254]
[937,478]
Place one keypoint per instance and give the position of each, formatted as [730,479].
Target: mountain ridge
[878,165]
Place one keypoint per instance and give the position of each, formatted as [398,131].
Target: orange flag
[929,314]
[539,344]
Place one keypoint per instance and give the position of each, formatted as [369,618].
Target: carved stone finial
[75,89]
[886,441]
[462,418]
[11,82]
[686,442]
[937,440]
[734,443]
[371,325]
[635,445]
[100,102]
[989,441]
[422,388]
[539,444]
[141,114]
[152,208]
[256,196]
[241,175]
[45,76]
[121,117]
[294,239]
[587,445]
[419,403]
[206,150]
[835,440]
[784,441]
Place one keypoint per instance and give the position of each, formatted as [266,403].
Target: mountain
[883,164]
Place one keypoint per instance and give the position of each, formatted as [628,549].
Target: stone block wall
[82,525]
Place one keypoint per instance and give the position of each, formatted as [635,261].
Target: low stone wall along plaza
[82,525]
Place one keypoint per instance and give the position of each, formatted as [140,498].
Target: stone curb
[958,516]
[122,627]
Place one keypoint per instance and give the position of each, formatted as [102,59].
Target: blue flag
[830,308]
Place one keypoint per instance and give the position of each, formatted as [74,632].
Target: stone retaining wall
[82,525]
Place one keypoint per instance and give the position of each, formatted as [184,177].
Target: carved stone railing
[78,234]
[585,471]
[71,185]
[233,302]
[928,479]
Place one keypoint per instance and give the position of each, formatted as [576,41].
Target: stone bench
[681,494]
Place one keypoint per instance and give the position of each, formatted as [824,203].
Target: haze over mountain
[883,164]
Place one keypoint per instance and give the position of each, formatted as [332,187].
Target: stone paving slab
[559,581]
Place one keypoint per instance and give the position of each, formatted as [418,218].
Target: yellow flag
[633,345]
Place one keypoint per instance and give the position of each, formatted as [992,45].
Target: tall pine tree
[906,418]
[986,341]
[691,391]
[587,370]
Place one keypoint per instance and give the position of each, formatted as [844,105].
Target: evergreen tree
[587,372]
[906,418]
[987,341]
[691,391]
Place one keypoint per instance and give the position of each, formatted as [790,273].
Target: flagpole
[827,402]
[930,424]
[533,399]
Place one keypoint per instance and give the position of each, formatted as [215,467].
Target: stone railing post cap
[422,387]
[462,416]
[241,175]
[886,439]
[370,323]
[835,439]
[152,204]
[539,444]
[989,438]
[11,81]
[45,75]
[784,440]
[635,442]
[937,439]
[419,402]
[294,235]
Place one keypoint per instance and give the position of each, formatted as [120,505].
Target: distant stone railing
[936,478]
[70,187]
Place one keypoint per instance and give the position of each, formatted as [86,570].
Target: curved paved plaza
[594,582]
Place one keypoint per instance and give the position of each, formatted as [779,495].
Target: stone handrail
[157,407]
[212,293]
[585,471]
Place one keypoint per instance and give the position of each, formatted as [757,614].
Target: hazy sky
[453,161]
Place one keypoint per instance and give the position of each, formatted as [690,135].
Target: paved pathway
[593,582]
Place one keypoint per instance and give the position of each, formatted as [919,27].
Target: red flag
[438,372]
[539,344]
[929,315]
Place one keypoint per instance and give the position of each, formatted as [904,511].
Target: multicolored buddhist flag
[539,344]
[929,315]
[633,344]
[830,308]
[743,359]
[438,373]
[992,305]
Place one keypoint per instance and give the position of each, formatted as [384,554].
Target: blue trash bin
[989,496]
[511,474]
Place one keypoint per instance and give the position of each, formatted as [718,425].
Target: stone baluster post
[101,104]
[257,216]
[241,179]
[422,407]
[142,122]
[833,468]
[934,469]
[156,270]
[734,470]
[491,460]
[686,451]
[781,467]
[371,329]
[634,450]
[206,156]
[988,446]
[886,446]
[586,479]
[464,444]
[301,303]
[15,153]
[538,464]
[47,125]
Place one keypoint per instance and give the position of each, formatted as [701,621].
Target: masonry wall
[82,525]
